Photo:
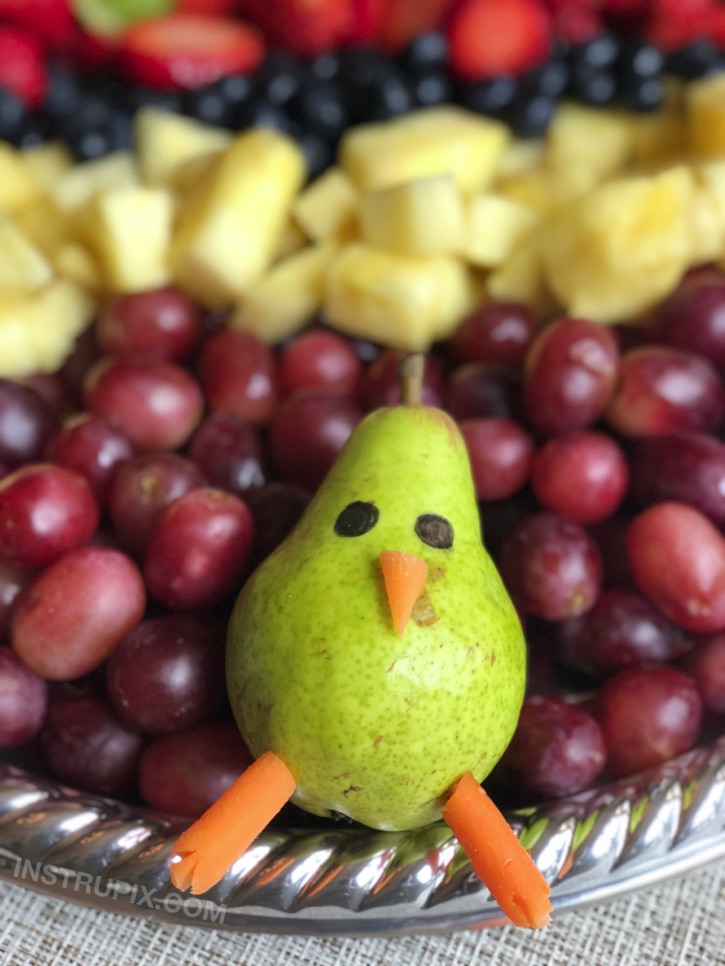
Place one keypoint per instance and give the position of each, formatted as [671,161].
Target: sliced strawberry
[492,37]
[675,23]
[207,8]
[406,19]
[575,21]
[368,17]
[51,21]
[184,51]
[22,65]
[305,27]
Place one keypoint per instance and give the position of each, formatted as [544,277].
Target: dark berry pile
[316,99]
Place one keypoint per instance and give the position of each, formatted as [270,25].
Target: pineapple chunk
[619,249]
[405,301]
[521,278]
[292,240]
[42,224]
[586,145]
[166,142]
[81,183]
[131,231]
[420,217]
[229,233]
[659,137]
[38,331]
[519,157]
[76,263]
[47,162]
[495,226]
[705,115]
[327,206]
[287,296]
[23,268]
[435,140]
[18,184]
[710,210]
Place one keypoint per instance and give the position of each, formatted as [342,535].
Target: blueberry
[601,51]
[490,96]
[695,60]
[12,115]
[321,110]
[432,88]
[425,53]
[208,104]
[530,115]
[643,95]
[279,77]
[549,79]
[593,86]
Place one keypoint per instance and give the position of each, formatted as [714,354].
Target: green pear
[378,711]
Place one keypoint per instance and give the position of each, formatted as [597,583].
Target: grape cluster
[142,483]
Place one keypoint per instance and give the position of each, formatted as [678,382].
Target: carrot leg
[498,858]
[209,848]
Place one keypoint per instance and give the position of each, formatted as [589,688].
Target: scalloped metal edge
[591,847]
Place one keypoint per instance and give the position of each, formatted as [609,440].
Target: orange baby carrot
[498,858]
[405,576]
[211,846]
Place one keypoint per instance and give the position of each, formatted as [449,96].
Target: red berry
[22,65]
[185,51]
[406,19]
[492,37]
[51,21]
[305,27]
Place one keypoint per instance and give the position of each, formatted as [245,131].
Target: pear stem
[411,379]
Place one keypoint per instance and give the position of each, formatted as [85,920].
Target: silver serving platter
[331,880]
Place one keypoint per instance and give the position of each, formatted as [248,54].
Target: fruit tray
[592,847]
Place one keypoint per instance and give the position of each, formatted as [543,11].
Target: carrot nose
[405,576]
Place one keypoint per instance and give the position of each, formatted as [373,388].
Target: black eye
[435,531]
[357,518]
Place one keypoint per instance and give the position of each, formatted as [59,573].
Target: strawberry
[305,27]
[51,21]
[207,8]
[491,37]
[575,21]
[368,17]
[184,51]
[405,19]
[22,65]
[674,23]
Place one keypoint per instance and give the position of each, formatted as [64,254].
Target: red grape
[648,715]
[157,404]
[163,324]
[199,549]
[71,617]
[500,451]
[307,432]
[569,375]
[168,673]
[583,475]
[685,467]
[13,580]
[83,744]
[706,664]
[481,389]
[551,566]
[23,700]
[557,749]
[187,772]
[276,509]
[495,332]
[142,488]
[45,511]
[239,375]
[621,629]
[693,317]
[27,423]
[228,451]
[319,359]
[93,448]
[664,390]
[677,557]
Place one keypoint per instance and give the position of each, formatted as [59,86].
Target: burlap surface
[678,924]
